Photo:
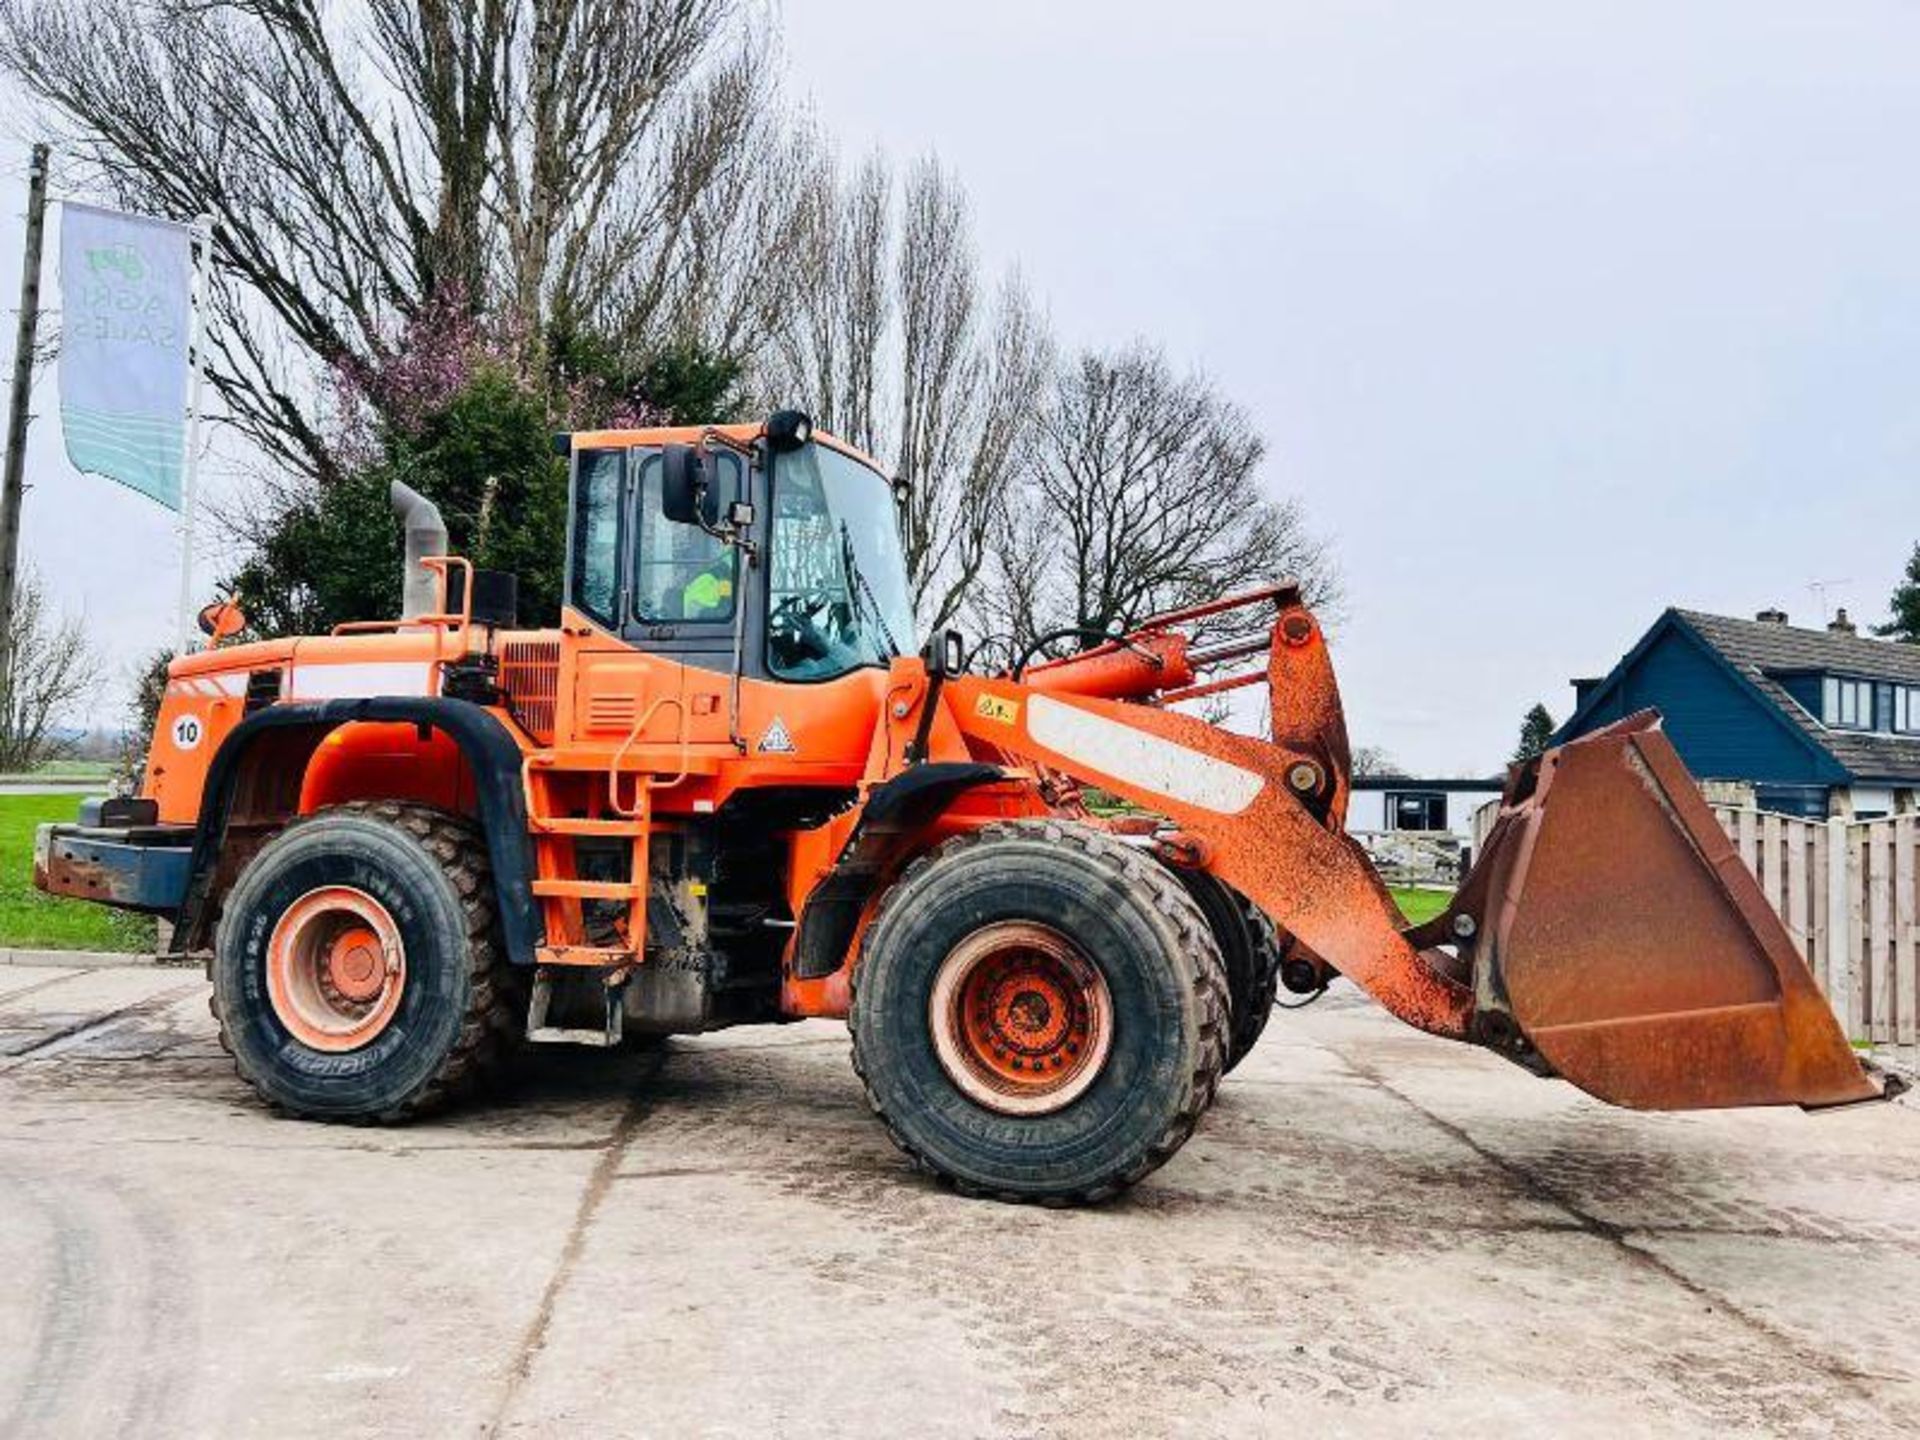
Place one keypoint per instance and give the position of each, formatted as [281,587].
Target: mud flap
[1613,934]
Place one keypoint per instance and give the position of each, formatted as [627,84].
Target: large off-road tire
[1251,949]
[356,971]
[1039,1013]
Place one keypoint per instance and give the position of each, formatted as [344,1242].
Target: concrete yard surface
[1374,1233]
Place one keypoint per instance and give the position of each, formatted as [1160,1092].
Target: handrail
[441,618]
[620,755]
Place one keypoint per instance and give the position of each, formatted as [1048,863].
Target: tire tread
[1195,943]
[489,1026]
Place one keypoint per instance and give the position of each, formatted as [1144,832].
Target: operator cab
[787,561]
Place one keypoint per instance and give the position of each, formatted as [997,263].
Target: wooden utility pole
[11,486]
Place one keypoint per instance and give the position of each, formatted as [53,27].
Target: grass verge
[30,920]
[1420,906]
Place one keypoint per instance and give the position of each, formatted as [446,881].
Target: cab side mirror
[946,654]
[687,494]
[221,620]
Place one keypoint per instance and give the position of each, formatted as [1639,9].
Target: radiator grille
[530,680]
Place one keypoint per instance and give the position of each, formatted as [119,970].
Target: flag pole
[202,231]
[12,486]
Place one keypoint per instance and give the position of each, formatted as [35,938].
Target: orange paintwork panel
[206,695]
[388,762]
[693,434]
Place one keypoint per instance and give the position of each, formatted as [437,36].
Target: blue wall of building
[1807,690]
[1723,729]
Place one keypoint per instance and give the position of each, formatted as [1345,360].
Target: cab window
[837,594]
[681,573]
[596,534]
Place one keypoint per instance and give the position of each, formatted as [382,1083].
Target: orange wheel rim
[1021,1019]
[335,968]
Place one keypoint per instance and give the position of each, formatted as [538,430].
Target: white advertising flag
[125,297]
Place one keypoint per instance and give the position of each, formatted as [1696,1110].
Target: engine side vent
[612,712]
[263,689]
[530,680]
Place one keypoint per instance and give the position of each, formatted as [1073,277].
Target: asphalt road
[1375,1233]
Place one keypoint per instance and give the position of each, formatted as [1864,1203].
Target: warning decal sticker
[992,707]
[776,741]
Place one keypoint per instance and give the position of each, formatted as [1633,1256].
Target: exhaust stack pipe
[426,536]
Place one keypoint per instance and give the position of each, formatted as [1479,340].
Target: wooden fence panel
[1849,895]
[1880,931]
[1819,952]
[1842,983]
[1857,931]
[1795,841]
[1771,845]
[1906,1026]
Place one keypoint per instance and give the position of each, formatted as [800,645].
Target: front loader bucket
[1615,935]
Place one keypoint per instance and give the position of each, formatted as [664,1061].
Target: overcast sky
[1553,315]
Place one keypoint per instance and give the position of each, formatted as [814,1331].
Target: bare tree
[829,350]
[892,343]
[1142,495]
[1372,760]
[541,160]
[53,672]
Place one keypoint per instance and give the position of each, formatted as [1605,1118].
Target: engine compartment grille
[530,681]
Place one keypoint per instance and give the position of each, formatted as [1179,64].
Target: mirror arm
[718,437]
[724,530]
[943,652]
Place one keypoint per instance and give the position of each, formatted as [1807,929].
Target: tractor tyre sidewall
[386,1077]
[1137,1109]
[1252,955]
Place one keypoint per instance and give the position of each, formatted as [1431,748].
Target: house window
[1416,810]
[1849,703]
[1906,709]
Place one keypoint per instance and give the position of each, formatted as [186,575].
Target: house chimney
[1841,625]
[1771,616]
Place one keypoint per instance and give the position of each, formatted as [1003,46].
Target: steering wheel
[793,626]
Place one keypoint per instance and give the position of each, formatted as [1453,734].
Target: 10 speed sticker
[188,732]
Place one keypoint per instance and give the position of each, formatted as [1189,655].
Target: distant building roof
[1761,652]
[1768,645]
[1761,649]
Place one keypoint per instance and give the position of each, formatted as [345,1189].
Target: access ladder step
[567,825]
[539,1032]
[589,890]
[553,1035]
[578,956]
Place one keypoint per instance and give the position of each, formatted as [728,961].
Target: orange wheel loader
[728,787]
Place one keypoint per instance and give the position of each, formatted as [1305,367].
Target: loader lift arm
[1608,935]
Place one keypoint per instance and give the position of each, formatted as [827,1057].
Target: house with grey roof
[1811,722]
